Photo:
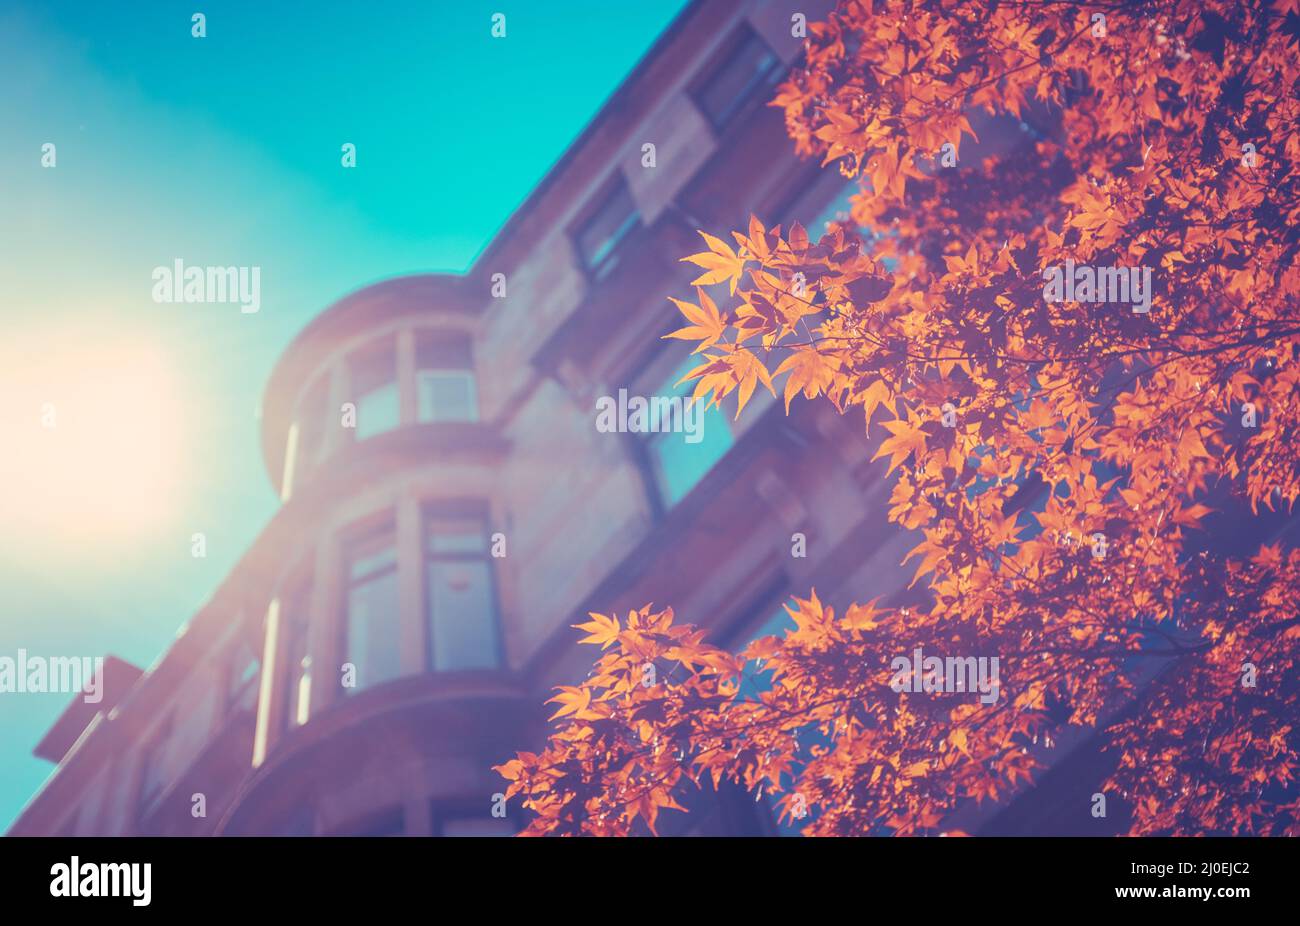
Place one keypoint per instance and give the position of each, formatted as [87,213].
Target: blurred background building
[450,509]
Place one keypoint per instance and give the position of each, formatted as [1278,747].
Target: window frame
[374,360]
[467,512]
[614,187]
[724,57]
[468,375]
[659,369]
[376,538]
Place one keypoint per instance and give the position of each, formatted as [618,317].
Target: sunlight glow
[93,444]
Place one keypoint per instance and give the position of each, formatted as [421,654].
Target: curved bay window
[460,595]
[444,378]
[374,389]
[372,626]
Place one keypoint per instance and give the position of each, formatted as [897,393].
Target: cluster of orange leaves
[1167,138]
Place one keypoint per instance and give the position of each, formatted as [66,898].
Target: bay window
[444,379]
[374,389]
[460,598]
[372,626]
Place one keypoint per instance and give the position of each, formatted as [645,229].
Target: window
[242,670]
[446,395]
[598,237]
[297,677]
[444,378]
[747,66]
[459,594]
[152,769]
[681,458]
[837,210]
[373,628]
[374,390]
[310,422]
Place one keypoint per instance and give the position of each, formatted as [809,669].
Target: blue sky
[226,151]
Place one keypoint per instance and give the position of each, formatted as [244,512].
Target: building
[433,441]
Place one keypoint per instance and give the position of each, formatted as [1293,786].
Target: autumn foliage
[1164,135]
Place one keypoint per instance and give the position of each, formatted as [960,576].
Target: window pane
[374,387]
[378,410]
[446,395]
[443,350]
[679,466]
[600,235]
[749,67]
[365,564]
[678,463]
[462,614]
[373,625]
[837,210]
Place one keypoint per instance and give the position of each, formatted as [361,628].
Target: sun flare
[94,445]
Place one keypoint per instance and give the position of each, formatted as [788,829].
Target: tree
[1079,351]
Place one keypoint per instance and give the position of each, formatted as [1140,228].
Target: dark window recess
[599,236]
[746,68]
